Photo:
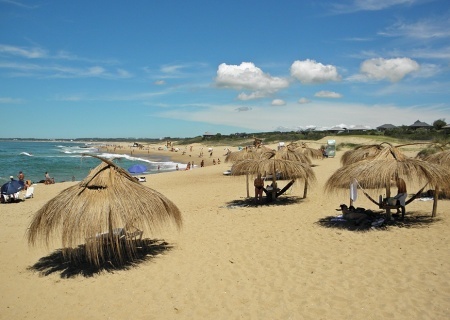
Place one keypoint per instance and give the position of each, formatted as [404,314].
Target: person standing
[259,186]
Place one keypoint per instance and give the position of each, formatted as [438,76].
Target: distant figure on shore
[48,179]
[188,166]
[202,164]
[214,161]
[176,167]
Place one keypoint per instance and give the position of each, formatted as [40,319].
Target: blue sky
[154,68]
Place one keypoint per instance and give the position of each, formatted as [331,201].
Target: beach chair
[29,194]
[10,197]
[119,234]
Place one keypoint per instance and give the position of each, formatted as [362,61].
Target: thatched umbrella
[99,209]
[442,158]
[244,154]
[378,171]
[292,153]
[290,169]
[310,152]
[364,152]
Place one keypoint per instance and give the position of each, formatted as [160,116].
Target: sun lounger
[120,234]
[29,194]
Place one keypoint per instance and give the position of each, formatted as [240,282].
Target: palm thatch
[442,158]
[365,152]
[288,168]
[246,153]
[310,152]
[377,171]
[90,212]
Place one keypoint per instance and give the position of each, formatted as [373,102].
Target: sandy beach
[232,261]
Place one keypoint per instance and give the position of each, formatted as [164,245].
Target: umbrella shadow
[379,221]
[250,202]
[57,263]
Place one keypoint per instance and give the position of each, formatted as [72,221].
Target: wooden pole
[435,200]
[305,190]
[248,189]
[388,195]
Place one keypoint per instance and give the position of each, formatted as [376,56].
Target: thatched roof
[290,169]
[364,152]
[376,172]
[246,153]
[108,198]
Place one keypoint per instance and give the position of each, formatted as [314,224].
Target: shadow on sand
[56,263]
[412,220]
[250,202]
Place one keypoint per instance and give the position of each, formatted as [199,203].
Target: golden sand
[239,262]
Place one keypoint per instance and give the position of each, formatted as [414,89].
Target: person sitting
[48,179]
[350,213]
[401,196]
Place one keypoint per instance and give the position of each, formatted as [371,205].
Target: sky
[180,68]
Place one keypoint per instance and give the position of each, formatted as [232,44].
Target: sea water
[64,161]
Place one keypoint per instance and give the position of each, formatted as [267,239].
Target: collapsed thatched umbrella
[107,200]
[377,172]
[290,169]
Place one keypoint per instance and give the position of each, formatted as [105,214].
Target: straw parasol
[442,158]
[364,152]
[289,168]
[376,172]
[91,212]
[244,154]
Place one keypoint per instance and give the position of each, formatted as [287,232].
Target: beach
[232,261]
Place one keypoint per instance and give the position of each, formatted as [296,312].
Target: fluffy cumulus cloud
[247,76]
[392,69]
[303,101]
[278,102]
[328,94]
[310,71]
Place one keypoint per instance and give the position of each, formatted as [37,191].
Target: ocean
[64,161]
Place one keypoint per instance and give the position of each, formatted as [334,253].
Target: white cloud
[248,77]
[370,5]
[278,102]
[303,101]
[391,69]
[243,109]
[310,71]
[291,116]
[160,82]
[252,96]
[32,53]
[435,28]
[328,94]
[7,100]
